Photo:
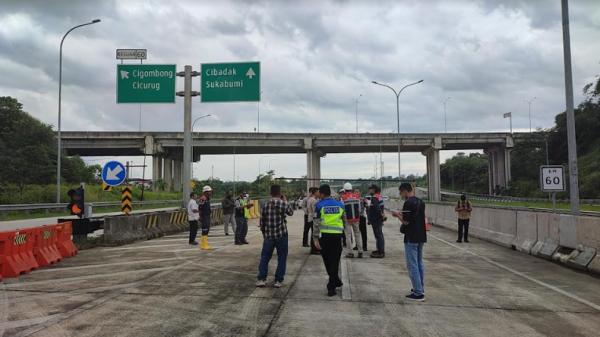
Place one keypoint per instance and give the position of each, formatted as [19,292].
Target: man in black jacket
[412,218]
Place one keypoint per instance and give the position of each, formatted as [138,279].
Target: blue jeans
[414,264]
[378,233]
[265,256]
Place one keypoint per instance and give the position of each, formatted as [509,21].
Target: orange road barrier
[44,249]
[64,239]
[16,252]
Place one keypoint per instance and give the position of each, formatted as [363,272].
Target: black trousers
[331,251]
[307,228]
[193,230]
[463,229]
[205,227]
[241,230]
[362,225]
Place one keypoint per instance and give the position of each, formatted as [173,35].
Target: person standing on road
[242,207]
[464,209]
[328,230]
[376,217]
[362,224]
[352,206]
[275,234]
[228,205]
[311,203]
[412,218]
[309,212]
[204,207]
[193,217]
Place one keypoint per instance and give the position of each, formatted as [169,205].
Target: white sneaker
[261,283]
[277,284]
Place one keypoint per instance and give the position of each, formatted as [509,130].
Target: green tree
[28,151]
[467,173]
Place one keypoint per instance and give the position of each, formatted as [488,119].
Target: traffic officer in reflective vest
[328,230]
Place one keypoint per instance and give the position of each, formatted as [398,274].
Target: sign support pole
[187,94]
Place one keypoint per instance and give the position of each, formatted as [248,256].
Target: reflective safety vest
[352,204]
[243,203]
[331,220]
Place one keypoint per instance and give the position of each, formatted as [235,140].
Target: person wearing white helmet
[352,205]
[204,208]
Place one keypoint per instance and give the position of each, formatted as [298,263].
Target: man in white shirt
[193,217]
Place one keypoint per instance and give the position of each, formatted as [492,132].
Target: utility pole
[356,110]
[187,94]
[445,118]
[571,139]
[529,103]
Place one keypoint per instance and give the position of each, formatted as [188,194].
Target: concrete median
[123,229]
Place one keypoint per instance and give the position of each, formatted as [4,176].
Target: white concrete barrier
[537,233]
[527,232]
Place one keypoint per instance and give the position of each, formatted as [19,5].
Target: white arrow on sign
[124,74]
[250,73]
[113,174]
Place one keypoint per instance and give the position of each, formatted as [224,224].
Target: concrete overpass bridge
[166,148]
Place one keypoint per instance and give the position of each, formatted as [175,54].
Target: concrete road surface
[164,287]
[36,222]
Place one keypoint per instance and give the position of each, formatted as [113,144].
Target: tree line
[28,152]
[469,173]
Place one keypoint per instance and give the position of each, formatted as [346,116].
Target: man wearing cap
[328,230]
[204,208]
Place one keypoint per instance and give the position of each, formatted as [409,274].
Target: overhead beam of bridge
[109,143]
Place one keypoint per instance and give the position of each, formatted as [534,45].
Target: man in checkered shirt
[274,229]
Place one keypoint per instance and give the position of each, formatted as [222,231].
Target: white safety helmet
[206,189]
[348,187]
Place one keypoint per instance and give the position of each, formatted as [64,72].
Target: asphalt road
[164,287]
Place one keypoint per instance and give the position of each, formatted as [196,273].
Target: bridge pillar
[499,174]
[168,174]
[177,175]
[156,169]
[313,168]
[433,174]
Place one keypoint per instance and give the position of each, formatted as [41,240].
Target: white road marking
[523,275]
[346,294]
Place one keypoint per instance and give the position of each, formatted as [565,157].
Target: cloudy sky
[316,58]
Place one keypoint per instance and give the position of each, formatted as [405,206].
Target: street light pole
[258,114]
[571,139]
[58,168]
[397,93]
[445,118]
[192,129]
[356,109]
[529,102]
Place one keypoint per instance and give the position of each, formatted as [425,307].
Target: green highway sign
[230,82]
[146,83]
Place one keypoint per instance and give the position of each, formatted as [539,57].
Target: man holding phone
[464,209]
[412,218]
